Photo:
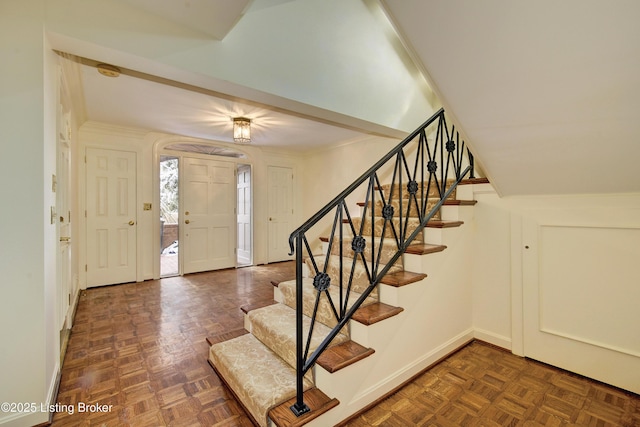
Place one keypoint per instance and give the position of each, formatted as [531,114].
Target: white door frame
[160,148]
[240,168]
[280,222]
[129,221]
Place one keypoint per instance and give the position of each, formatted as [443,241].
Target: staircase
[361,317]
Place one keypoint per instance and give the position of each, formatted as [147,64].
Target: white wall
[26,258]
[330,170]
[145,144]
[498,274]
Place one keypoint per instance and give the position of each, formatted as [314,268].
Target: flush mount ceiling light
[108,70]
[241,130]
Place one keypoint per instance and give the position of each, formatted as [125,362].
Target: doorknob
[186,221]
[132,222]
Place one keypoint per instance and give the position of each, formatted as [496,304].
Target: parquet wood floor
[141,347]
[482,385]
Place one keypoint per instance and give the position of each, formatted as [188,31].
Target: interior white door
[111,217]
[280,195]
[244,214]
[63,213]
[209,216]
[581,287]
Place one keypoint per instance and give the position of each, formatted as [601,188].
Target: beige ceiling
[144,102]
[153,96]
[547,91]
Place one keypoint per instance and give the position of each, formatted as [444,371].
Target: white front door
[581,287]
[208,215]
[244,214]
[280,195]
[111,217]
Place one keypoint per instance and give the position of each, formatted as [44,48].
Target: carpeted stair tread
[422,188]
[406,207]
[360,281]
[316,400]
[389,248]
[256,375]
[382,227]
[342,355]
[325,314]
[375,313]
[275,327]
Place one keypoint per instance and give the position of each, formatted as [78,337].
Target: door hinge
[85,267]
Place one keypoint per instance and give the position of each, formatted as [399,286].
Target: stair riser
[360,280]
[410,225]
[441,236]
[433,191]
[276,329]
[389,248]
[287,293]
[413,212]
[457,213]
[428,262]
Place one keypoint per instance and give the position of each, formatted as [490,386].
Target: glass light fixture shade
[241,130]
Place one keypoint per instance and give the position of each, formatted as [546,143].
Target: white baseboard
[409,371]
[492,338]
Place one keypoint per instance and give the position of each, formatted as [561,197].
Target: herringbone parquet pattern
[141,347]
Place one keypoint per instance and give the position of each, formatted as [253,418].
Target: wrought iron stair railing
[430,161]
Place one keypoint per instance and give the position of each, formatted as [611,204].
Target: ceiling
[145,102]
[546,92]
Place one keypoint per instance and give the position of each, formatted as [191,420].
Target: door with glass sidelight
[208,220]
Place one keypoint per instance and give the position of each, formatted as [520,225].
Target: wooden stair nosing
[424,248]
[248,307]
[480,180]
[456,202]
[318,402]
[342,355]
[376,312]
[226,336]
[402,278]
[444,224]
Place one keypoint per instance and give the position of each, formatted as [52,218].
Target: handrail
[429,154]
